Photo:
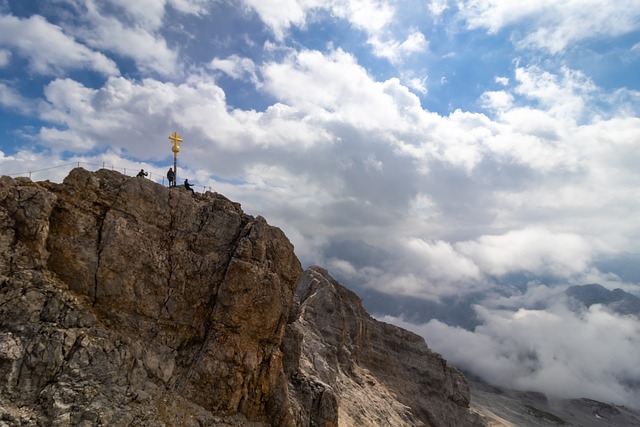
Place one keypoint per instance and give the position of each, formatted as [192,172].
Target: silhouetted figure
[171,176]
[188,186]
[142,173]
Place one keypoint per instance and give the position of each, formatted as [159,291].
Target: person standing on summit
[171,176]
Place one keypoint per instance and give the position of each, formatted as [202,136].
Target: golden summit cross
[176,140]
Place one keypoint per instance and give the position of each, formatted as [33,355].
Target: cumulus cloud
[427,270]
[497,100]
[436,269]
[336,84]
[553,26]
[280,15]
[235,67]
[563,96]
[437,7]
[373,17]
[122,112]
[48,48]
[143,45]
[395,51]
[129,29]
[553,350]
[533,250]
[138,116]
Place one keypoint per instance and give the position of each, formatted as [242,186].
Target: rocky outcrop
[123,302]
[126,303]
[346,368]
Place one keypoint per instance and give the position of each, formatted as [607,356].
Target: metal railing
[154,176]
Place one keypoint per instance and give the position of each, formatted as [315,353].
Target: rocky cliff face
[348,369]
[123,302]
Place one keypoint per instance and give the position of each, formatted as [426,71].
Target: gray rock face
[510,408]
[349,369]
[123,302]
[126,303]
[617,300]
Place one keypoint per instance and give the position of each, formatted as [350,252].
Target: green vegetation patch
[546,416]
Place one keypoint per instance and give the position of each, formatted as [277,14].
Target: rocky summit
[126,303]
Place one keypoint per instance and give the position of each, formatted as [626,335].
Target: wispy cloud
[236,67]
[552,25]
[48,49]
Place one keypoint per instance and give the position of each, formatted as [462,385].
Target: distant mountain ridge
[617,300]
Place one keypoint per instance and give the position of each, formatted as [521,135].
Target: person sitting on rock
[142,173]
[188,186]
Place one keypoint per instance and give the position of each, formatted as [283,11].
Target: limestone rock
[123,302]
[346,368]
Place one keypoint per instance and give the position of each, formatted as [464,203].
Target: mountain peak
[123,302]
[617,300]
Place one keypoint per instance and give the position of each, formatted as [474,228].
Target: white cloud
[553,25]
[456,140]
[148,49]
[5,57]
[553,351]
[564,96]
[418,84]
[137,116]
[437,7]
[236,67]
[534,250]
[192,7]
[48,49]
[128,115]
[336,85]
[395,51]
[413,267]
[437,262]
[372,16]
[146,13]
[504,81]
[132,29]
[497,100]
[13,100]
[280,15]
[150,14]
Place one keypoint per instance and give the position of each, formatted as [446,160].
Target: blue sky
[477,153]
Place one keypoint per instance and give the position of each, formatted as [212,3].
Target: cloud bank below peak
[552,350]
